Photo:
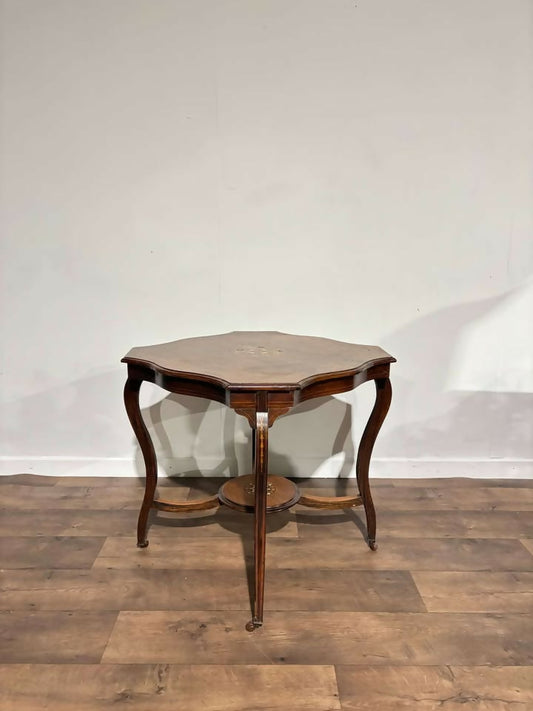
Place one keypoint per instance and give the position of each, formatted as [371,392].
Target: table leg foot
[253,624]
[142,524]
[131,401]
[378,414]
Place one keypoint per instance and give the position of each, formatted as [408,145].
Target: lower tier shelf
[239,493]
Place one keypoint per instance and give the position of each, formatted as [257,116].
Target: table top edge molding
[302,384]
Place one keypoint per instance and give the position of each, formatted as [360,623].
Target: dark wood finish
[379,412]
[261,477]
[239,493]
[261,375]
[258,360]
[131,401]
[429,622]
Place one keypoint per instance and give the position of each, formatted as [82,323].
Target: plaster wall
[355,170]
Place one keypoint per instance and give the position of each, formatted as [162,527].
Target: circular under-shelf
[239,493]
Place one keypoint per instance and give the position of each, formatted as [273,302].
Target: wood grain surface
[251,357]
[147,687]
[528,544]
[303,553]
[478,591]
[311,637]
[438,618]
[419,524]
[456,688]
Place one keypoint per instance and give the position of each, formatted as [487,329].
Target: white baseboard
[395,468]
[437,468]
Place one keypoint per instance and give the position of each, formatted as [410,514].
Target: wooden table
[261,375]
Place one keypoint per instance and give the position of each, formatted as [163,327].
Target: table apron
[249,402]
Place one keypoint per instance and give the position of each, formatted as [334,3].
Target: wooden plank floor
[440,617]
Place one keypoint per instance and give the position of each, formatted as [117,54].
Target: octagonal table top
[258,358]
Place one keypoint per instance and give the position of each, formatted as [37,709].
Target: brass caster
[142,544]
[253,624]
[372,544]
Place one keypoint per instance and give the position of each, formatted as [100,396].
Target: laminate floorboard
[49,552]
[32,480]
[180,637]
[110,498]
[437,619]
[478,591]
[453,688]
[444,499]
[66,637]
[160,589]
[528,544]
[225,553]
[303,553]
[461,482]
[164,687]
[83,522]
[419,524]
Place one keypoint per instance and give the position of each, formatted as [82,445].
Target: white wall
[352,169]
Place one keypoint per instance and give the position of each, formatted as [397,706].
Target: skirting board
[379,467]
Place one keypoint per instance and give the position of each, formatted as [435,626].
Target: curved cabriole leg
[131,400]
[378,414]
[260,456]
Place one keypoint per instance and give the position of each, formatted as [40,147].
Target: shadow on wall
[81,418]
[480,421]
[439,410]
[197,437]
[179,426]
[463,346]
